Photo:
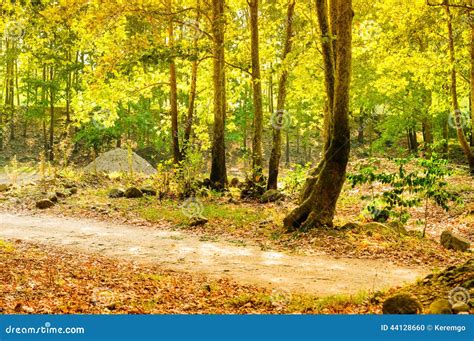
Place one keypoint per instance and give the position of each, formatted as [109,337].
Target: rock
[460,307]
[453,242]
[118,160]
[53,198]
[469,284]
[401,304]
[271,195]
[116,193]
[148,191]
[198,221]
[44,203]
[60,194]
[73,190]
[133,192]
[440,306]
[4,187]
[234,182]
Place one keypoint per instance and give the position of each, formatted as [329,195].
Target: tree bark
[274,164]
[257,151]
[51,114]
[192,90]
[218,174]
[319,207]
[173,93]
[472,79]
[457,113]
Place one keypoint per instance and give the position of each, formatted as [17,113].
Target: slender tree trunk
[173,92]
[218,174]
[192,90]
[274,164]
[319,207]
[457,113]
[257,151]
[51,114]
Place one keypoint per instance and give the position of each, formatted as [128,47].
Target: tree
[218,175]
[454,94]
[275,156]
[257,152]
[335,22]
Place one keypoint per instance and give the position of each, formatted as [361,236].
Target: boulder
[116,193]
[73,190]
[148,191]
[401,304]
[271,195]
[52,197]
[460,307]
[44,203]
[440,306]
[4,187]
[198,221]
[453,242]
[133,192]
[234,182]
[60,194]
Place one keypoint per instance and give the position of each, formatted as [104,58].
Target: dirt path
[320,275]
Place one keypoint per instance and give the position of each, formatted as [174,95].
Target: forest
[236,157]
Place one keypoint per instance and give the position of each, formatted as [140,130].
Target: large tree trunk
[319,207]
[218,175]
[173,93]
[275,156]
[257,152]
[472,79]
[457,113]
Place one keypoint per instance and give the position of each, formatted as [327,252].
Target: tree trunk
[472,79]
[51,114]
[257,152]
[173,92]
[319,207]
[218,174]
[192,90]
[457,113]
[275,155]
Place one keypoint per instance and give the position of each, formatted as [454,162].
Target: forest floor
[243,247]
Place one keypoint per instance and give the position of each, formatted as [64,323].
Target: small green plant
[130,161]
[293,181]
[186,171]
[406,189]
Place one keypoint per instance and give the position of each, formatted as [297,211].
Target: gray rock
[271,195]
[453,242]
[116,193]
[460,307]
[44,203]
[401,304]
[133,192]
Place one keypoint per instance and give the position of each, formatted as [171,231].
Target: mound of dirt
[116,160]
